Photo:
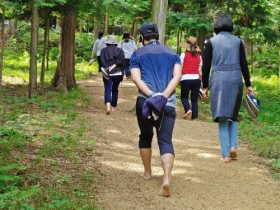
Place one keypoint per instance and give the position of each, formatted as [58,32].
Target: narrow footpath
[200,180]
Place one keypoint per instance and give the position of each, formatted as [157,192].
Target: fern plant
[13,193]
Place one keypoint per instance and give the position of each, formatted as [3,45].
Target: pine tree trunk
[46,37]
[201,38]
[2,45]
[202,31]
[33,53]
[64,78]
[106,22]
[159,11]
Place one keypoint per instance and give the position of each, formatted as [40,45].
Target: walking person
[128,46]
[112,62]
[191,77]
[156,71]
[226,54]
[99,44]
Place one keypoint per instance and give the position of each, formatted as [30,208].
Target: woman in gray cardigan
[225,53]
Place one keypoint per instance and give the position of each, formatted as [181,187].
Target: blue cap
[148,27]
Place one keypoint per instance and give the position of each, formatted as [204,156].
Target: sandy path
[200,180]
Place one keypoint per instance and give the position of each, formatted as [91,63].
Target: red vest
[191,64]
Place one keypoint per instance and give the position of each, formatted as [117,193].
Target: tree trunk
[159,10]
[179,35]
[64,78]
[96,28]
[201,38]
[2,45]
[46,37]
[48,51]
[81,25]
[33,53]
[202,31]
[252,55]
[135,30]
[106,22]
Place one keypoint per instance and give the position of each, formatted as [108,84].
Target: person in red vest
[191,77]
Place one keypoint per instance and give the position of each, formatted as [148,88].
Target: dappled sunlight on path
[200,180]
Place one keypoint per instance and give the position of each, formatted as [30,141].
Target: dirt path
[200,180]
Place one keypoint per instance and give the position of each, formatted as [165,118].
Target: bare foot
[147,175]
[233,154]
[225,159]
[188,115]
[113,109]
[108,108]
[165,190]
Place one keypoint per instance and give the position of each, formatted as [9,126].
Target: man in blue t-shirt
[156,71]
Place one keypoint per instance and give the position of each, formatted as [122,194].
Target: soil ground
[199,179]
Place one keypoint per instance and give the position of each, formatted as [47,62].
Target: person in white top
[128,46]
[99,44]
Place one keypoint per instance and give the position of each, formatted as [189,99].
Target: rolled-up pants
[164,128]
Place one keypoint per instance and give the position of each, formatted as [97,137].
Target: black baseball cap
[148,27]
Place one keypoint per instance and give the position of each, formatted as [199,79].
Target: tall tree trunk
[81,25]
[2,45]
[252,55]
[46,37]
[179,35]
[96,28]
[202,31]
[33,53]
[48,50]
[135,30]
[201,38]
[159,11]
[106,22]
[64,78]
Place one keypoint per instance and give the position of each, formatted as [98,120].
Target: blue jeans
[111,90]
[190,87]
[164,134]
[127,70]
[228,136]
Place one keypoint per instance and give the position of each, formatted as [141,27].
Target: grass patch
[45,145]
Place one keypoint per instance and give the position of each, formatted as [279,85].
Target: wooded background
[256,22]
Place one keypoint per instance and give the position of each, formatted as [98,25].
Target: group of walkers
[156,71]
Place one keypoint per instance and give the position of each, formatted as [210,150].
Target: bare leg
[146,156]
[108,108]
[233,154]
[167,164]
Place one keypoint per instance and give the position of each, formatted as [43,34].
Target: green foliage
[83,46]
[12,139]
[55,141]
[23,37]
[14,194]
[265,61]
[264,132]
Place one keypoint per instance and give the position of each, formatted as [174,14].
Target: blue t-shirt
[156,63]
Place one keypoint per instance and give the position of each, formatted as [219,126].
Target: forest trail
[199,179]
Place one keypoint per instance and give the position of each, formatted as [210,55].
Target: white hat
[112,40]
